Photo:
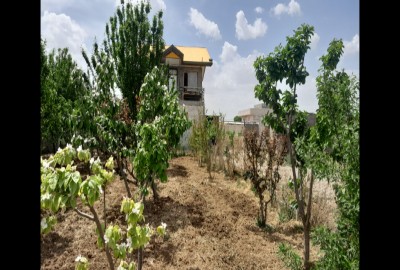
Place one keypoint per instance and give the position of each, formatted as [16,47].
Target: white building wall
[193,112]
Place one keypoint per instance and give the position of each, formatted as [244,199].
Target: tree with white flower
[82,263]
[123,243]
[62,185]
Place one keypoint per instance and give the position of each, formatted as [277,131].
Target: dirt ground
[211,224]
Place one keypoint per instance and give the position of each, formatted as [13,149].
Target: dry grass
[211,225]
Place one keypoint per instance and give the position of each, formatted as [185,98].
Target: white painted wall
[194,112]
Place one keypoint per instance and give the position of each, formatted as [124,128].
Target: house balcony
[191,93]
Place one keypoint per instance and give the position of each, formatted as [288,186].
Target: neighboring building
[255,115]
[240,127]
[187,66]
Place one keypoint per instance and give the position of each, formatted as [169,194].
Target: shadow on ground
[53,245]
[177,170]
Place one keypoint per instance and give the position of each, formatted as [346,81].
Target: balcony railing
[191,93]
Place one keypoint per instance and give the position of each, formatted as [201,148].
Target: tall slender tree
[287,62]
[333,152]
[131,48]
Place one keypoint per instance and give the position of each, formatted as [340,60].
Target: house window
[190,89]
[190,79]
[185,79]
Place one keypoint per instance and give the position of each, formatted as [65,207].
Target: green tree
[62,184]
[162,123]
[130,50]
[62,85]
[287,62]
[237,118]
[333,152]
[206,140]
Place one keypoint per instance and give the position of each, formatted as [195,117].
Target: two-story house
[187,66]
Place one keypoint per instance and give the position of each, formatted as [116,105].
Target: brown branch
[123,175]
[133,176]
[101,232]
[83,214]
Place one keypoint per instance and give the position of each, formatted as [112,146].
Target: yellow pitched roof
[193,54]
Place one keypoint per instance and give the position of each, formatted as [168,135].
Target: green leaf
[76,177]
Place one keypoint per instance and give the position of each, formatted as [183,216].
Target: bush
[290,258]
[206,142]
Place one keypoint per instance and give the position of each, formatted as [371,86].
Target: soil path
[210,224]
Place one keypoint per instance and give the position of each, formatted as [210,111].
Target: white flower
[106,239]
[128,242]
[135,210]
[46,196]
[79,148]
[46,164]
[163,225]
[43,223]
[91,161]
[81,259]
[122,245]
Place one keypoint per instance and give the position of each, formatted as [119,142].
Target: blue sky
[235,32]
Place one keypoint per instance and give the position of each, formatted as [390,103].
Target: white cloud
[292,8]
[229,83]
[314,41]
[60,31]
[229,52]
[56,4]
[155,4]
[352,46]
[161,5]
[307,95]
[259,10]
[244,30]
[204,26]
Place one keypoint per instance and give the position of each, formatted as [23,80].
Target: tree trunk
[300,200]
[104,207]
[101,232]
[140,258]
[123,175]
[154,189]
[307,246]
[126,185]
[262,217]
[307,225]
